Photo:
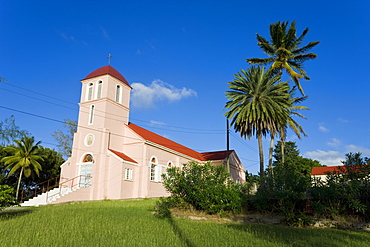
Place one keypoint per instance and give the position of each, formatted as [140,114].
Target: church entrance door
[85,175]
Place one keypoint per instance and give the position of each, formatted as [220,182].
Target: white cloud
[323,128]
[67,37]
[146,96]
[104,33]
[354,149]
[329,158]
[334,142]
[343,120]
[152,122]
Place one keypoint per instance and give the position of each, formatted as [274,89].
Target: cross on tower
[109,56]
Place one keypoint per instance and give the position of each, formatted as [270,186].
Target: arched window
[87,158]
[99,89]
[91,115]
[90,91]
[169,165]
[154,170]
[118,94]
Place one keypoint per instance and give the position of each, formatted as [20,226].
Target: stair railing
[70,184]
[40,188]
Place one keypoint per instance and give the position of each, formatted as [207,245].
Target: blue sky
[180,55]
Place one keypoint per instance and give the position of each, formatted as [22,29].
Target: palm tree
[291,123]
[257,104]
[25,156]
[284,51]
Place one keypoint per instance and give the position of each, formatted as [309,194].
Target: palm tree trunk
[272,141]
[19,183]
[283,136]
[262,170]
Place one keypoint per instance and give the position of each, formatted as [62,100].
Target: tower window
[118,94]
[99,89]
[90,91]
[91,116]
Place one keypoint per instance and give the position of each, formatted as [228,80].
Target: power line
[59,121]
[176,127]
[243,142]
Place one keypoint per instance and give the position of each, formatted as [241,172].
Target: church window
[90,91]
[91,116]
[154,170]
[99,89]
[88,158]
[118,94]
[169,165]
[128,174]
[89,140]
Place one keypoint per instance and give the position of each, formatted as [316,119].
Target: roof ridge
[165,142]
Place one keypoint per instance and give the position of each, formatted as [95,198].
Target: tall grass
[131,223]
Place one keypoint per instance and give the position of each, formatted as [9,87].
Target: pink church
[113,158]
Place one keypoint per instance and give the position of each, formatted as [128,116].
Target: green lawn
[131,223]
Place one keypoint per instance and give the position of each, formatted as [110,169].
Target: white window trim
[99,88]
[168,163]
[90,88]
[128,174]
[91,114]
[157,170]
[119,93]
[86,139]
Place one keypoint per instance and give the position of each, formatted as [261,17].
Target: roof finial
[109,56]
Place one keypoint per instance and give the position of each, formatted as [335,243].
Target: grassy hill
[131,223]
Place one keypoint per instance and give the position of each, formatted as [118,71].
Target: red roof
[107,70]
[122,156]
[337,169]
[162,141]
[325,169]
[218,155]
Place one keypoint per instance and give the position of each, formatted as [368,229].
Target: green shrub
[6,196]
[204,187]
[345,192]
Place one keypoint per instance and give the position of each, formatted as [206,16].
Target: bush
[204,187]
[345,192]
[6,196]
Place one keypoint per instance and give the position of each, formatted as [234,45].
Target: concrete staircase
[48,197]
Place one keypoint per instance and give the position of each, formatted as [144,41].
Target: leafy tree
[344,191]
[293,163]
[50,164]
[6,196]
[257,104]
[285,191]
[204,187]
[284,51]
[9,131]
[25,157]
[65,140]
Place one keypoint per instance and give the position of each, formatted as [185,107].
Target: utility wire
[97,110]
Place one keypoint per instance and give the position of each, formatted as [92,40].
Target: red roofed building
[322,172]
[113,158]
